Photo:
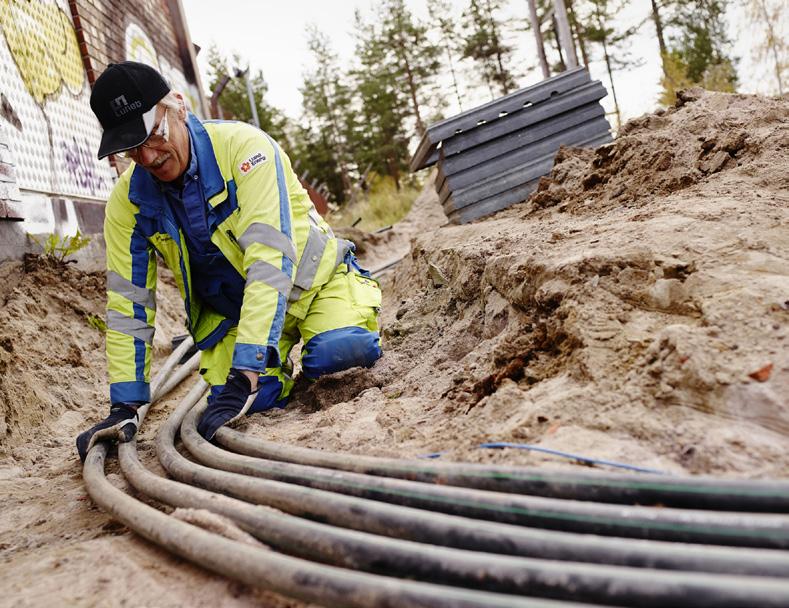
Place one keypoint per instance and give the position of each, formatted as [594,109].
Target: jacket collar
[146,192]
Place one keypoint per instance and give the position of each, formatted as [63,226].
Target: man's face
[165,160]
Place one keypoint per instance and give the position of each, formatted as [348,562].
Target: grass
[381,206]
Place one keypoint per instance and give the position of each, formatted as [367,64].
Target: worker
[257,267]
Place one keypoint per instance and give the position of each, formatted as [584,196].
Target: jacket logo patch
[252,162]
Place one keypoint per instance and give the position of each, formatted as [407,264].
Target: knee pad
[339,349]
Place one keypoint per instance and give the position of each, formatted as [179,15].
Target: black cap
[124,100]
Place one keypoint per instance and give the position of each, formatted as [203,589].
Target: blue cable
[584,459]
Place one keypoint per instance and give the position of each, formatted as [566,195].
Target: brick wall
[101,25]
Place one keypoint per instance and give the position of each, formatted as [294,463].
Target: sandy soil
[635,308]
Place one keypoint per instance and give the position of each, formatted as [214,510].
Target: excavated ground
[635,308]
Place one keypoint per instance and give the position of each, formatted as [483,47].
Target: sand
[633,309]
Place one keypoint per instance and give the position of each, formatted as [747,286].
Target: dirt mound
[52,365]
[641,317]
[657,154]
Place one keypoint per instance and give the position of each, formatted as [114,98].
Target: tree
[379,139]
[698,47]
[326,100]
[484,44]
[536,26]
[413,57]
[235,101]
[764,14]
[439,11]
[614,44]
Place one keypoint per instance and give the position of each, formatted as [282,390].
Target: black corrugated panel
[493,156]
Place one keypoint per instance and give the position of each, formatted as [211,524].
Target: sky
[272,36]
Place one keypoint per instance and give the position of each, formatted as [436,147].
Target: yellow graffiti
[44,45]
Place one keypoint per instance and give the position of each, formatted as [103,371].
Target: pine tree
[444,24]
[235,101]
[379,139]
[414,58]
[484,44]
[599,19]
[326,100]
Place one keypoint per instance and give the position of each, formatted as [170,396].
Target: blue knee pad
[269,390]
[339,349]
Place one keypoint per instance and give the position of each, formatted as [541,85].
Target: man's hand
[230,404]
[121,424]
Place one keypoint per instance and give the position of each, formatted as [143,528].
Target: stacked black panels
[493,156]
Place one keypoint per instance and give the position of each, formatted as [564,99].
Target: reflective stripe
[130,291]
[135,328]
[316,219]
[270,275]
[311,258]
[343,247]
[267,235]
[295,294]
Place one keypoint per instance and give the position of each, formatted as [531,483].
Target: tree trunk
[562,63]
[661,39]
[577,30]
[420,126]
[494,33]
[610,71]
[454,78]
[560,12]
[535,26]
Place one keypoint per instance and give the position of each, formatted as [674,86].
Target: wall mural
[52,134]
[44,46]
[140,48]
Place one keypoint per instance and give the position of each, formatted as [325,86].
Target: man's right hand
[121,425]
[230,404]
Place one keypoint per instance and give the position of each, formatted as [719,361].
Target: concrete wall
[51,52]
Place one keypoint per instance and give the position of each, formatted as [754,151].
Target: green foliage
[383,205]
[698,50]
[380,135]
[235,99]
[57,248]
[441,20]
[413,58]
[484,44]
[322,147]
[97,323]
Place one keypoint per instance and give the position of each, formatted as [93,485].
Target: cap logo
[120,106]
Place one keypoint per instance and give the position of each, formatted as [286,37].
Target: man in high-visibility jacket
[257,267]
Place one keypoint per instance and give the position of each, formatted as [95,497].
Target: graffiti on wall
[81,165]
[140,48]
[44,46]
[45,101]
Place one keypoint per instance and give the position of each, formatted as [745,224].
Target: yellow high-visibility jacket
[262,221]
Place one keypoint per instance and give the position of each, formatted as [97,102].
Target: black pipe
[261,567]
[534,577]
[642,489]
[749,530]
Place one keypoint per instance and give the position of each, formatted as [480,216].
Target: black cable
[750,530]
[643,489]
